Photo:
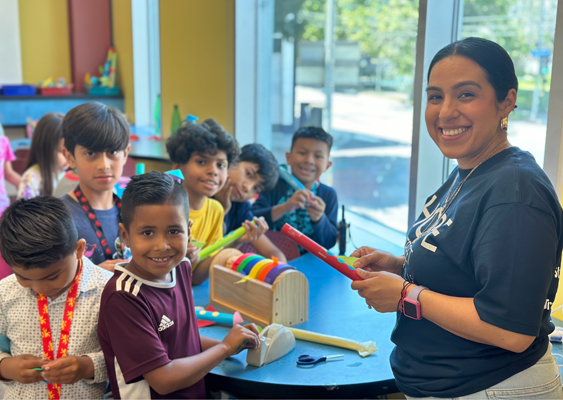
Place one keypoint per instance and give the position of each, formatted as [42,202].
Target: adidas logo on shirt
[165,323]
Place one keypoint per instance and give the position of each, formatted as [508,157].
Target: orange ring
[255,271]
[267,269]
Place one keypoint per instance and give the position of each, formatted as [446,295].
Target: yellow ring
[255,272]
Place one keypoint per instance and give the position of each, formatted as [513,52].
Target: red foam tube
[319,251]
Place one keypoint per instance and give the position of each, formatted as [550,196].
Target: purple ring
[275,272]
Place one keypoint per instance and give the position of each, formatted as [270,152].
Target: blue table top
[145,147]
[334,309]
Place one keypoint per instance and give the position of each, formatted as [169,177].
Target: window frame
[145,27]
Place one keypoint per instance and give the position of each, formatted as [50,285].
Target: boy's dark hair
[312,132]
[37,232]
[97,127]
[153,188]
[268,168]
[205,138]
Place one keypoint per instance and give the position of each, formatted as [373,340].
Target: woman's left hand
[382,290]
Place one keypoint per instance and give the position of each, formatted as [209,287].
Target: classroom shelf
[14,110]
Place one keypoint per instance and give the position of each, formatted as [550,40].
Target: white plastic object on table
[556,335]
[275,342]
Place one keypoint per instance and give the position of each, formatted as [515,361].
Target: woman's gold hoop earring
[504,124]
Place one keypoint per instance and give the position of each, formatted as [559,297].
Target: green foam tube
[228,239]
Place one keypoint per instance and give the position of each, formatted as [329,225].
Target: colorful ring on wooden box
[246,261]
[238,261]
[267,270]
[230,262]
[222,256]
[248,267]
[275,272]
[258,267]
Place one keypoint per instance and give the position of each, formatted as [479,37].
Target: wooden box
[285,302]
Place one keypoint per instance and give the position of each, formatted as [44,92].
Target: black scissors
[307,360]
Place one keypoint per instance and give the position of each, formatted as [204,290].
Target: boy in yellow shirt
[203,154]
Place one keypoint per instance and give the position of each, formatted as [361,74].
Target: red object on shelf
[56,91]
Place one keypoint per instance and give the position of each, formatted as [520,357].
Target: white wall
[10,46]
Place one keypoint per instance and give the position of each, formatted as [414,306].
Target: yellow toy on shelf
[104,85]
[262,290]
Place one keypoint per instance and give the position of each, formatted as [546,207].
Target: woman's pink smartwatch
[411,305]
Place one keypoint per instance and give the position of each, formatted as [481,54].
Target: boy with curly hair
[203,153]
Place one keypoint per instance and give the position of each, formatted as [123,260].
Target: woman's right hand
[371,259]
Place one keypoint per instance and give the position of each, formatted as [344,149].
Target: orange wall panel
[44,40]
[123,42]
[197,60]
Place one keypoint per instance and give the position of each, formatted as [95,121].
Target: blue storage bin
[102,90]
[18,90]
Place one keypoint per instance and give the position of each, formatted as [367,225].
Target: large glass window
[525,28]
[348,65]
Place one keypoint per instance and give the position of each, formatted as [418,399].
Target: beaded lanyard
[96,225]
[54,389]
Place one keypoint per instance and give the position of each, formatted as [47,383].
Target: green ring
[246,261]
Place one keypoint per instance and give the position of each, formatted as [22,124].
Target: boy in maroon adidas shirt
[147,325]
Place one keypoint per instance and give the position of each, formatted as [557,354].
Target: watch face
[410,309]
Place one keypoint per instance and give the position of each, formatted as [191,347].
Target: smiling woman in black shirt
[481,264]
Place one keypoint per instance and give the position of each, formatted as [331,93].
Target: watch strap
[415,291]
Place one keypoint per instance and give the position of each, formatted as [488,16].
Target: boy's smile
[55,279]
[204,175]
[158,239]
[462,112]
[245,180]
[308,160]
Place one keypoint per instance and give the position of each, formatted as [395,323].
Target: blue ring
[251,263]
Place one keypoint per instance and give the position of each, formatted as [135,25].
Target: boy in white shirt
[49,306]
